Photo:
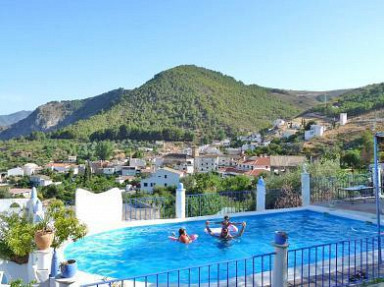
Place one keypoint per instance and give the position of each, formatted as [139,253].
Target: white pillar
[305,188]
[260,190]
[374,177]
[39,265]
[180,201]
[280,269]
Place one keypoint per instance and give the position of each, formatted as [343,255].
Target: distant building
[315,131]
[163,177]
[281,163]
[72,158]
[40,180]
[130,171]
[62,167]
[17,171]
[206,163]
[137,162]
[260,163]
[25,192]
[108,170]
[343,119]
[30,168]
[122,179]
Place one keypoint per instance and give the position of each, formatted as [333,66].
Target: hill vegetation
[188,99]
[356,102]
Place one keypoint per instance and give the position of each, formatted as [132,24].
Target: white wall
[92,208]
[6,203]
[17,171]
[161,178]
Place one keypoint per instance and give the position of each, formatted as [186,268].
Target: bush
[16,236]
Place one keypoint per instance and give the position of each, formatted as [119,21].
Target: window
[165,184]
[145,184]
[165,176]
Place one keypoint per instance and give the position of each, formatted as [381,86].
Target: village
[174,161]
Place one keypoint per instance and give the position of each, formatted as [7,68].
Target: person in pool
[226,222]
[184,237]
[225,234]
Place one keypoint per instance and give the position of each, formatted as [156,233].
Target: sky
[63,50]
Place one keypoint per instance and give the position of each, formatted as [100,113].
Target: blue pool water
[129,252]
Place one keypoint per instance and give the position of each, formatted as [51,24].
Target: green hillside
[356,102]
[187,98]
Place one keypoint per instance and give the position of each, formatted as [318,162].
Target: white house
[163,177]
[343,119]
[137,162]
[40,180]
[129,170]
[17,171]
[255,163]
[30,168]
[206,163]
[108,170]
[61,167]
[315,131]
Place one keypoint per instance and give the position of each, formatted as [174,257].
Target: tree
[104,150]
[351,159]
[367,147]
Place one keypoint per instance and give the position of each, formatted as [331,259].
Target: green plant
[65,224]
[20,283]
[16,236]
[14,205]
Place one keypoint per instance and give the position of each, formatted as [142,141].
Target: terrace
[344,262]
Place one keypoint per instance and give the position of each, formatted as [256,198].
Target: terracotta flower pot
[43,239]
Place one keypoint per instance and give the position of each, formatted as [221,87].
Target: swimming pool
[134,251]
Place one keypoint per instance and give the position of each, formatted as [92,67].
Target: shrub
[16,236]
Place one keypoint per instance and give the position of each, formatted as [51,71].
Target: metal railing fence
[344,263]
[219,203]
[335,188]
[147,208]
[252,271]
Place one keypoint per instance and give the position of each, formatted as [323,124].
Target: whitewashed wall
[106,207]
[6,203]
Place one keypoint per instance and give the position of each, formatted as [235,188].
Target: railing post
[280,266]
[260,195]
[305,188]
[180,201]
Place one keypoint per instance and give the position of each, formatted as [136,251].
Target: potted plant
[66,227]
[16,237]
[44,233]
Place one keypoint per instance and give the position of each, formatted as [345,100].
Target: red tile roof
[264,161]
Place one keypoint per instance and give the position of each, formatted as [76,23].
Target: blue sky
[59,50]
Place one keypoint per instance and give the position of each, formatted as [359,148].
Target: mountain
[179,103]
[190,98]
[7,120]
[55,115]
